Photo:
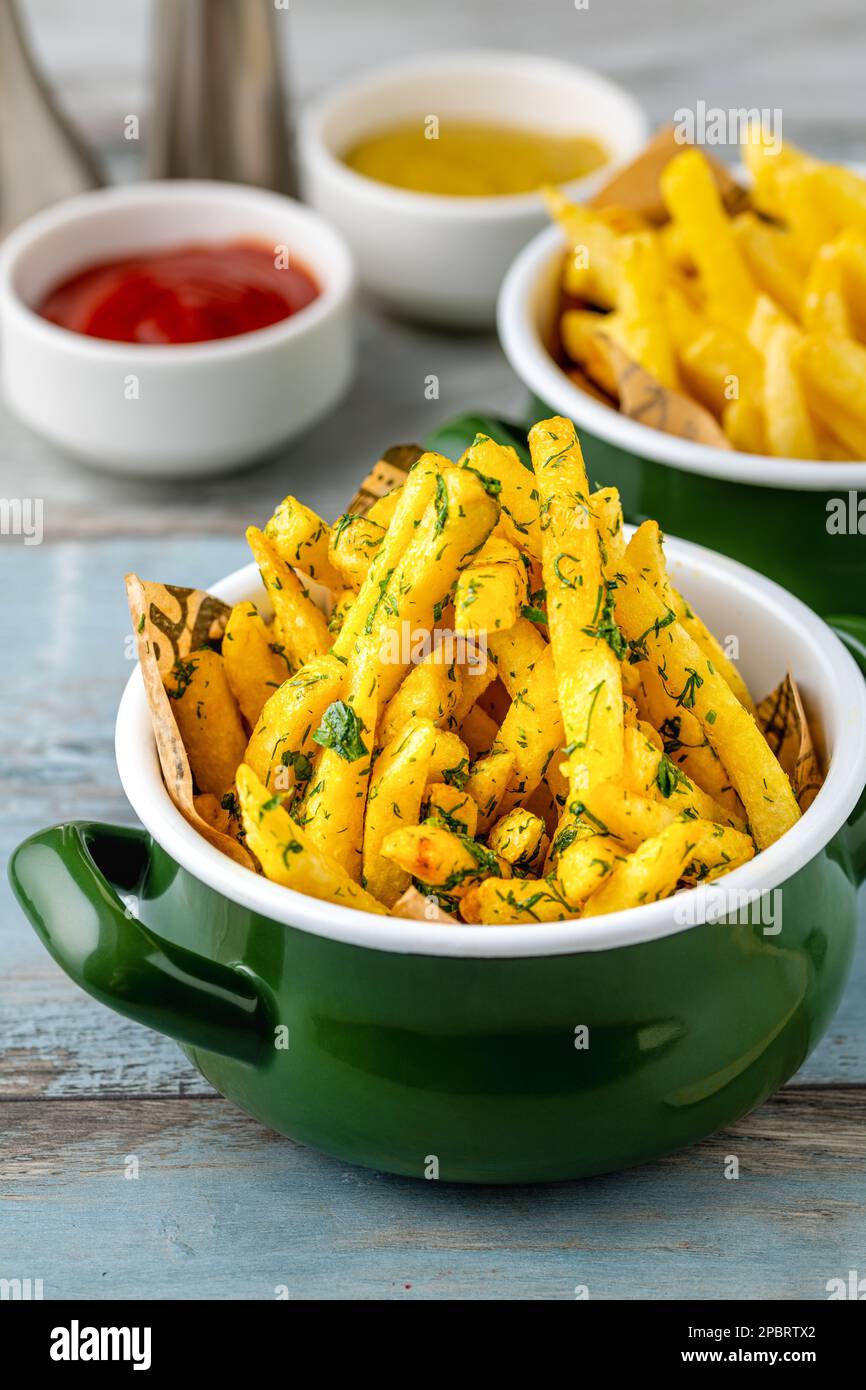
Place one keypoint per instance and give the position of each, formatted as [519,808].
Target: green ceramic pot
[802,523]
[480,1054]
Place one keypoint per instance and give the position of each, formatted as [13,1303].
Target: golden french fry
[591,268]
[488,782]
[334,804]
[509,901]
[492,591]
[584,864]
[255,664]
[352,544]
[642,307]
[585,640]
[453,807]
[302,626]
[301,538]
[286,852]
[281,745]
[692,681]
[774,259]
[429,690]
[514,487]
[693,200]
[519,838]
[394,800]
[207,718]
[653,870]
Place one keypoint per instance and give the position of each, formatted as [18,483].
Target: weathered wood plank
[225,1209]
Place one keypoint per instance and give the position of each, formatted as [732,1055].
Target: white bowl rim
[531,361]
[142,782]
[499,207]
[334,289]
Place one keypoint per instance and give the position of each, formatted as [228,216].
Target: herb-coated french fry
[394,800]
[281,745]
[353,542]
[653,870]
[449,761]
[454,526]
[438,857]
[255,664]
[513,485]
[301,538]
[606,506]
[532,729]
[650,772]
[519,837]
[586,643]
[411,504]
[645,554]
[208,719]
[583,865]
[429,690]
[515,654]
[491,592]
[489,781]
[333,808]
[692,681]
[501,901]
[286,852]
[302,626]
[452,807]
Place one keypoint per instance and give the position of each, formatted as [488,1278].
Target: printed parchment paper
[786,728]
[169,622]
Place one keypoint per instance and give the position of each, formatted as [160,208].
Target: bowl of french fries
[708,336]
[485,837]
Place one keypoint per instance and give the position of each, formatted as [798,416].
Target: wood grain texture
[224,1209]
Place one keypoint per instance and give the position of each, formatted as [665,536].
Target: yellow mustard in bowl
[472,159]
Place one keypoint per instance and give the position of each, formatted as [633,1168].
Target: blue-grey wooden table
[220,1208]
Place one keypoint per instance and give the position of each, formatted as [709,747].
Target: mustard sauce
[472,159]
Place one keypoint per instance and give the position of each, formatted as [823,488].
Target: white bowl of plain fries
[747,327]
[573,791]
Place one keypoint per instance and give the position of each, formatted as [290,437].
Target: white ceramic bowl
[775,631]
[438,258]
[527,304]
[200,407]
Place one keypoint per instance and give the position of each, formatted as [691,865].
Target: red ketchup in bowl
[190,294]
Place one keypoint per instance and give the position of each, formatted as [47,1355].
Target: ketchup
[191,294]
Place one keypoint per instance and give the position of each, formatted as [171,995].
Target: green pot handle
[850,628]
[96,939]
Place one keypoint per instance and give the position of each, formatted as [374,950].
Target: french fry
[790,432]
[641,305]
[692,681]
[302,538]
[519,838]
[352,544]
[834,372]
[774,259]
[396,790]
[650,772]
[429,690]
[488,782]
[492,591]
[334,804]
[585,641]
[510,901]
[302,626]
[478,731]
[823,303]
[208,719]
[286,853]
[439,858]
[281,745]
[653,870]
[591,265]
[452,807]
[255,665]
[692,198]
[513,485]
[584,864]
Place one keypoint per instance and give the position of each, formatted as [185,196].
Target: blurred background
[804,57]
